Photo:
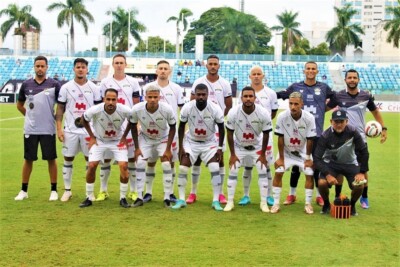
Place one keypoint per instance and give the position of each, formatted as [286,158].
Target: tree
[344,33]
[21,16]
[321,49]
[70,11]
[393,26]
[289,26]
[121,18]
[215,23]
[182,18]
[302,47]
[237,35]
[155,44]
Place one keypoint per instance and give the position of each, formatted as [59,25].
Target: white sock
[89,190]
[132,175]
[309,193]
[269,175]
[231,183]
[104,176]
[195,179]
[292,191]
[262,182]
[150,175]
[222,174]
[182,181]
[123,189]
[247,180]
[67,174]
[140,176]
[277,194]
[167,178]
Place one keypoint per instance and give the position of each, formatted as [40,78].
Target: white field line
[9,119]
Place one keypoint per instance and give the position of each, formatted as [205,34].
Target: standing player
[172,94]
[315,94]
[202,116]
[40,95]
[220,93]
[296,130]
[128,94]
[248,128]
[75,97]
[108,119]
[266,97]
[355,102]
[157,131]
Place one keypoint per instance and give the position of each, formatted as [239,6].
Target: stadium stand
[22,68]
[378,78]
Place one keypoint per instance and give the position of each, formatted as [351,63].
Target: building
[31,39]
[369,14]
[318,33]
[383,48]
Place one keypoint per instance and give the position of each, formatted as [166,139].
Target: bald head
[257,77]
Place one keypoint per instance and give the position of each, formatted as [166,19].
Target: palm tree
[121,18]
[289,25]
[70,11]
[344,33]
[238,33]
[183,14]
[393,26]
[22,16]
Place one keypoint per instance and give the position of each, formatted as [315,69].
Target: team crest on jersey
[317,91]
[46,91]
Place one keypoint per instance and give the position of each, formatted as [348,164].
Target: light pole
[67,44]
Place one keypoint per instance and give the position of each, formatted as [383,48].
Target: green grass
[36,232]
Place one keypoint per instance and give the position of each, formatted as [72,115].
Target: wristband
[384,128]
[220,147]
[308,157]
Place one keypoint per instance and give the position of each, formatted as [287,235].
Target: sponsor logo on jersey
[152,131]
[110,133]
[121,101]
[80,106]
[294,141]
[248,136]
[200,131]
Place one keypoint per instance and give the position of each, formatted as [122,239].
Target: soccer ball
[373,129]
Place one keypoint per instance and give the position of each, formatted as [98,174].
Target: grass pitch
[36,232]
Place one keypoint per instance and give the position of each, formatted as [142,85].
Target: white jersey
[202,124]
[127,88]
[267,98]
[217,91]
[154,126]
[172,94]
[77,99]
[248,128]
[295,132]
[108,127]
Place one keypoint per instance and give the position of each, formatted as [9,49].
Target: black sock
[54,187]
[294,176]
[326,203]
[24,187]
[352,203]
[338,190]
[365,192]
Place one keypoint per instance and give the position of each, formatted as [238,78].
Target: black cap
[339,115]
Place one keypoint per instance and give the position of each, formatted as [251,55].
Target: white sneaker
[21,195]
[66,196]
[308,209]
[53,196]
[229,206]
[264,207]
[275,208]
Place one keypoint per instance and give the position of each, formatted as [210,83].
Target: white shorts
[75,143]
[131,149]
[205,151]
[113,148]
[248,158]
[291,161]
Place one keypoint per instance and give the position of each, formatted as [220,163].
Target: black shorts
[347,170]
[47,145]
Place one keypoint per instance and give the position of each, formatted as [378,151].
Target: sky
[154,14]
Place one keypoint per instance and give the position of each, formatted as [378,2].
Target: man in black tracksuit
[336,156]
